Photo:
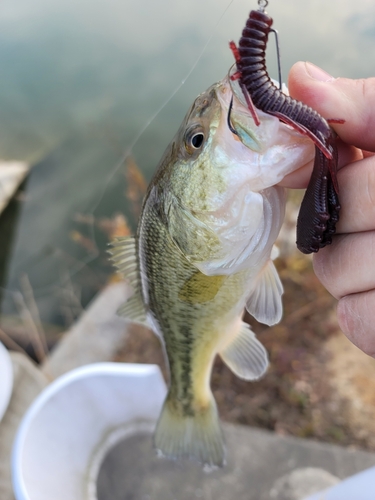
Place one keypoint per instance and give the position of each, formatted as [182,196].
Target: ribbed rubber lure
[320,207]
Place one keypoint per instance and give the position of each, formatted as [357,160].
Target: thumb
[338,98]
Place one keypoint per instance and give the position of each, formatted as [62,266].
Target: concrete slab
[96,336]
[256,459]
[12,173]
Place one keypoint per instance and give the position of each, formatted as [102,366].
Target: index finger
[338,98]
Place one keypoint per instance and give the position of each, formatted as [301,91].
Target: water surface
[80,81]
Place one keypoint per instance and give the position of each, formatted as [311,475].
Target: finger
[357,196]
[300,178]
[347,153]
[340,98]
[355,315]
[366,154]
[339,268]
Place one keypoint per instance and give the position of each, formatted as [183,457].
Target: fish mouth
[234,84]
[255,131]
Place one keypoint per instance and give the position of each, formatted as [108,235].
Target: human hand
[347,267]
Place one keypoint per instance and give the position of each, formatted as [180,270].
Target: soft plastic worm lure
[320,207]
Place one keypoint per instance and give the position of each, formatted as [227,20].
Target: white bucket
[6,379]
[69,428]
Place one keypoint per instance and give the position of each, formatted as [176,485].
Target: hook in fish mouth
[230,126]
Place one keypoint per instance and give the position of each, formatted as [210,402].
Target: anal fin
[265,303]
[134,310]
[245,355]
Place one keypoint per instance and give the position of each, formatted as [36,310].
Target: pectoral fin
[123,251]
[245,355]
[265,302]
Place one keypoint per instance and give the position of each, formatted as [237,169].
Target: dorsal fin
[124,258]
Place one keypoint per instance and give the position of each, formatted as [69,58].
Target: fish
[203,253]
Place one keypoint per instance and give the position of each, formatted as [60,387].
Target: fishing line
[71,270]
[130,148]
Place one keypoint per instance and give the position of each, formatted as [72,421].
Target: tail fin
[196,436]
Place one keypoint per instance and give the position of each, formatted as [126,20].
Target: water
[80,80]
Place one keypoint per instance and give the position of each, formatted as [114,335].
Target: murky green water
[80,80]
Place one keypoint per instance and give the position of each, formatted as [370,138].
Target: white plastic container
[6,379]
[69,428]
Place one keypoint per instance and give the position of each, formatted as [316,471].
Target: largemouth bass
[202,253]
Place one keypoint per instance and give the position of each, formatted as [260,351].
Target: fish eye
[194,138]
[197,140]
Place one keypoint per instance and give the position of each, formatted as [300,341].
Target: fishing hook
[262,5]
[231,128]
[278,56]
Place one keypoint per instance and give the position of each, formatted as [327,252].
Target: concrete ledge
[95,337]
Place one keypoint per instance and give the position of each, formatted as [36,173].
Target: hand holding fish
[346,268]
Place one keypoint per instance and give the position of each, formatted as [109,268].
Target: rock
[302,482]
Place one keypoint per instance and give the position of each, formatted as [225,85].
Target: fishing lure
[320,207]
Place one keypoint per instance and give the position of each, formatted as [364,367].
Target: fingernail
[318,73]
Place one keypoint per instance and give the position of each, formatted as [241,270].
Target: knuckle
[369,186]
[365,90]
[320,264]
[346,316]
[338,267]
[328,265]
[355,318]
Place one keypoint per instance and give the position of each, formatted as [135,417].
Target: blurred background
[91,93]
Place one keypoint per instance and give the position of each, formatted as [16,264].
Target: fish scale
[202,253]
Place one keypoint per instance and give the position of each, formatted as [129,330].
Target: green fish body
[202,253]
